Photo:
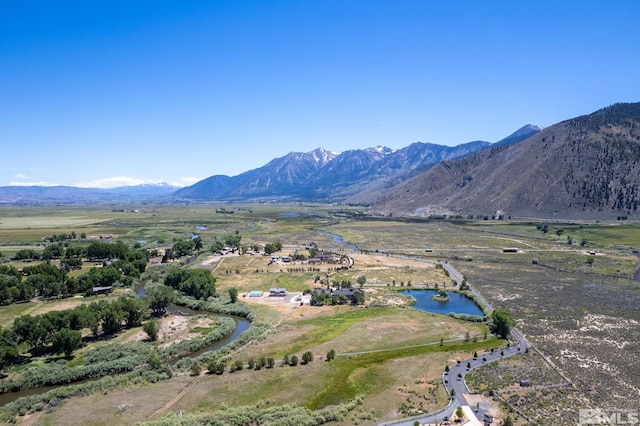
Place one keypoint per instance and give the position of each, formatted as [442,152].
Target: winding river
[242,325]
[338,239]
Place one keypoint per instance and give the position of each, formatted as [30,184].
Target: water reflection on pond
[458,303]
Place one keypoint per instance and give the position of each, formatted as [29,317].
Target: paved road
[454,379]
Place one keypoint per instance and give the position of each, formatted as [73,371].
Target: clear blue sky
[177,91]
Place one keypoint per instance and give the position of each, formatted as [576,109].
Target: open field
[395,380]
[581,310]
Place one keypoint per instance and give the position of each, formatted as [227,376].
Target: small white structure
[469,414]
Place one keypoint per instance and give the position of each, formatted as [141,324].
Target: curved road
[454,379]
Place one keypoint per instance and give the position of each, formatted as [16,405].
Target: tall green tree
[135,310]
[111,318]
[307,357]
[362,280]
[8,347]
[233,240]
[201,284]
[502,322]
[159,297]
[151,328]
[183,247]
[233,294]
[273,247]
[66,341]
[197,244]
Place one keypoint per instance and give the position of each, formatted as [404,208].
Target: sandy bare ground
[173,329]
[369,260]
[211,259]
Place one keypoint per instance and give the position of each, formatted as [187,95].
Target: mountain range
[322,175]
[585,167]
[71,194]
[319,175]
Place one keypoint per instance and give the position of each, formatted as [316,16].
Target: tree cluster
[60,331]
[56,238]
[121,264]
[198,283]
[228,240]
[273,247]
[322,298]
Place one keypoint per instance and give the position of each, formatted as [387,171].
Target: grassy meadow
[579,309]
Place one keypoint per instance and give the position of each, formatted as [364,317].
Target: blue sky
[107,93]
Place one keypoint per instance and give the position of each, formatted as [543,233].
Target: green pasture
[9,312]
[341,384]
[329,328]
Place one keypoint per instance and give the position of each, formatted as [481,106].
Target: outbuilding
[277,292]
[102,290]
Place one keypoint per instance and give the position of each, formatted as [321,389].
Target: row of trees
[96,250]
[218,366]
[323,298]
[64,237]
[60,331]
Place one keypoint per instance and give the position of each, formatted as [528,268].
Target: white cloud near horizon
[42,183]
[117,181]
[185,181]
[22,176]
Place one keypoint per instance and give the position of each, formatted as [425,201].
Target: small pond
[289,214]
[457,303]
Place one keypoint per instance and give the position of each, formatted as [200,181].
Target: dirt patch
[372,261]
[174,329]
[29,419]
[211,259]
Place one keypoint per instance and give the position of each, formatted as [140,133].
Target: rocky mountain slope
[587,167]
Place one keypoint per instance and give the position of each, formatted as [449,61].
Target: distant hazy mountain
[70,194]
[587,167]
